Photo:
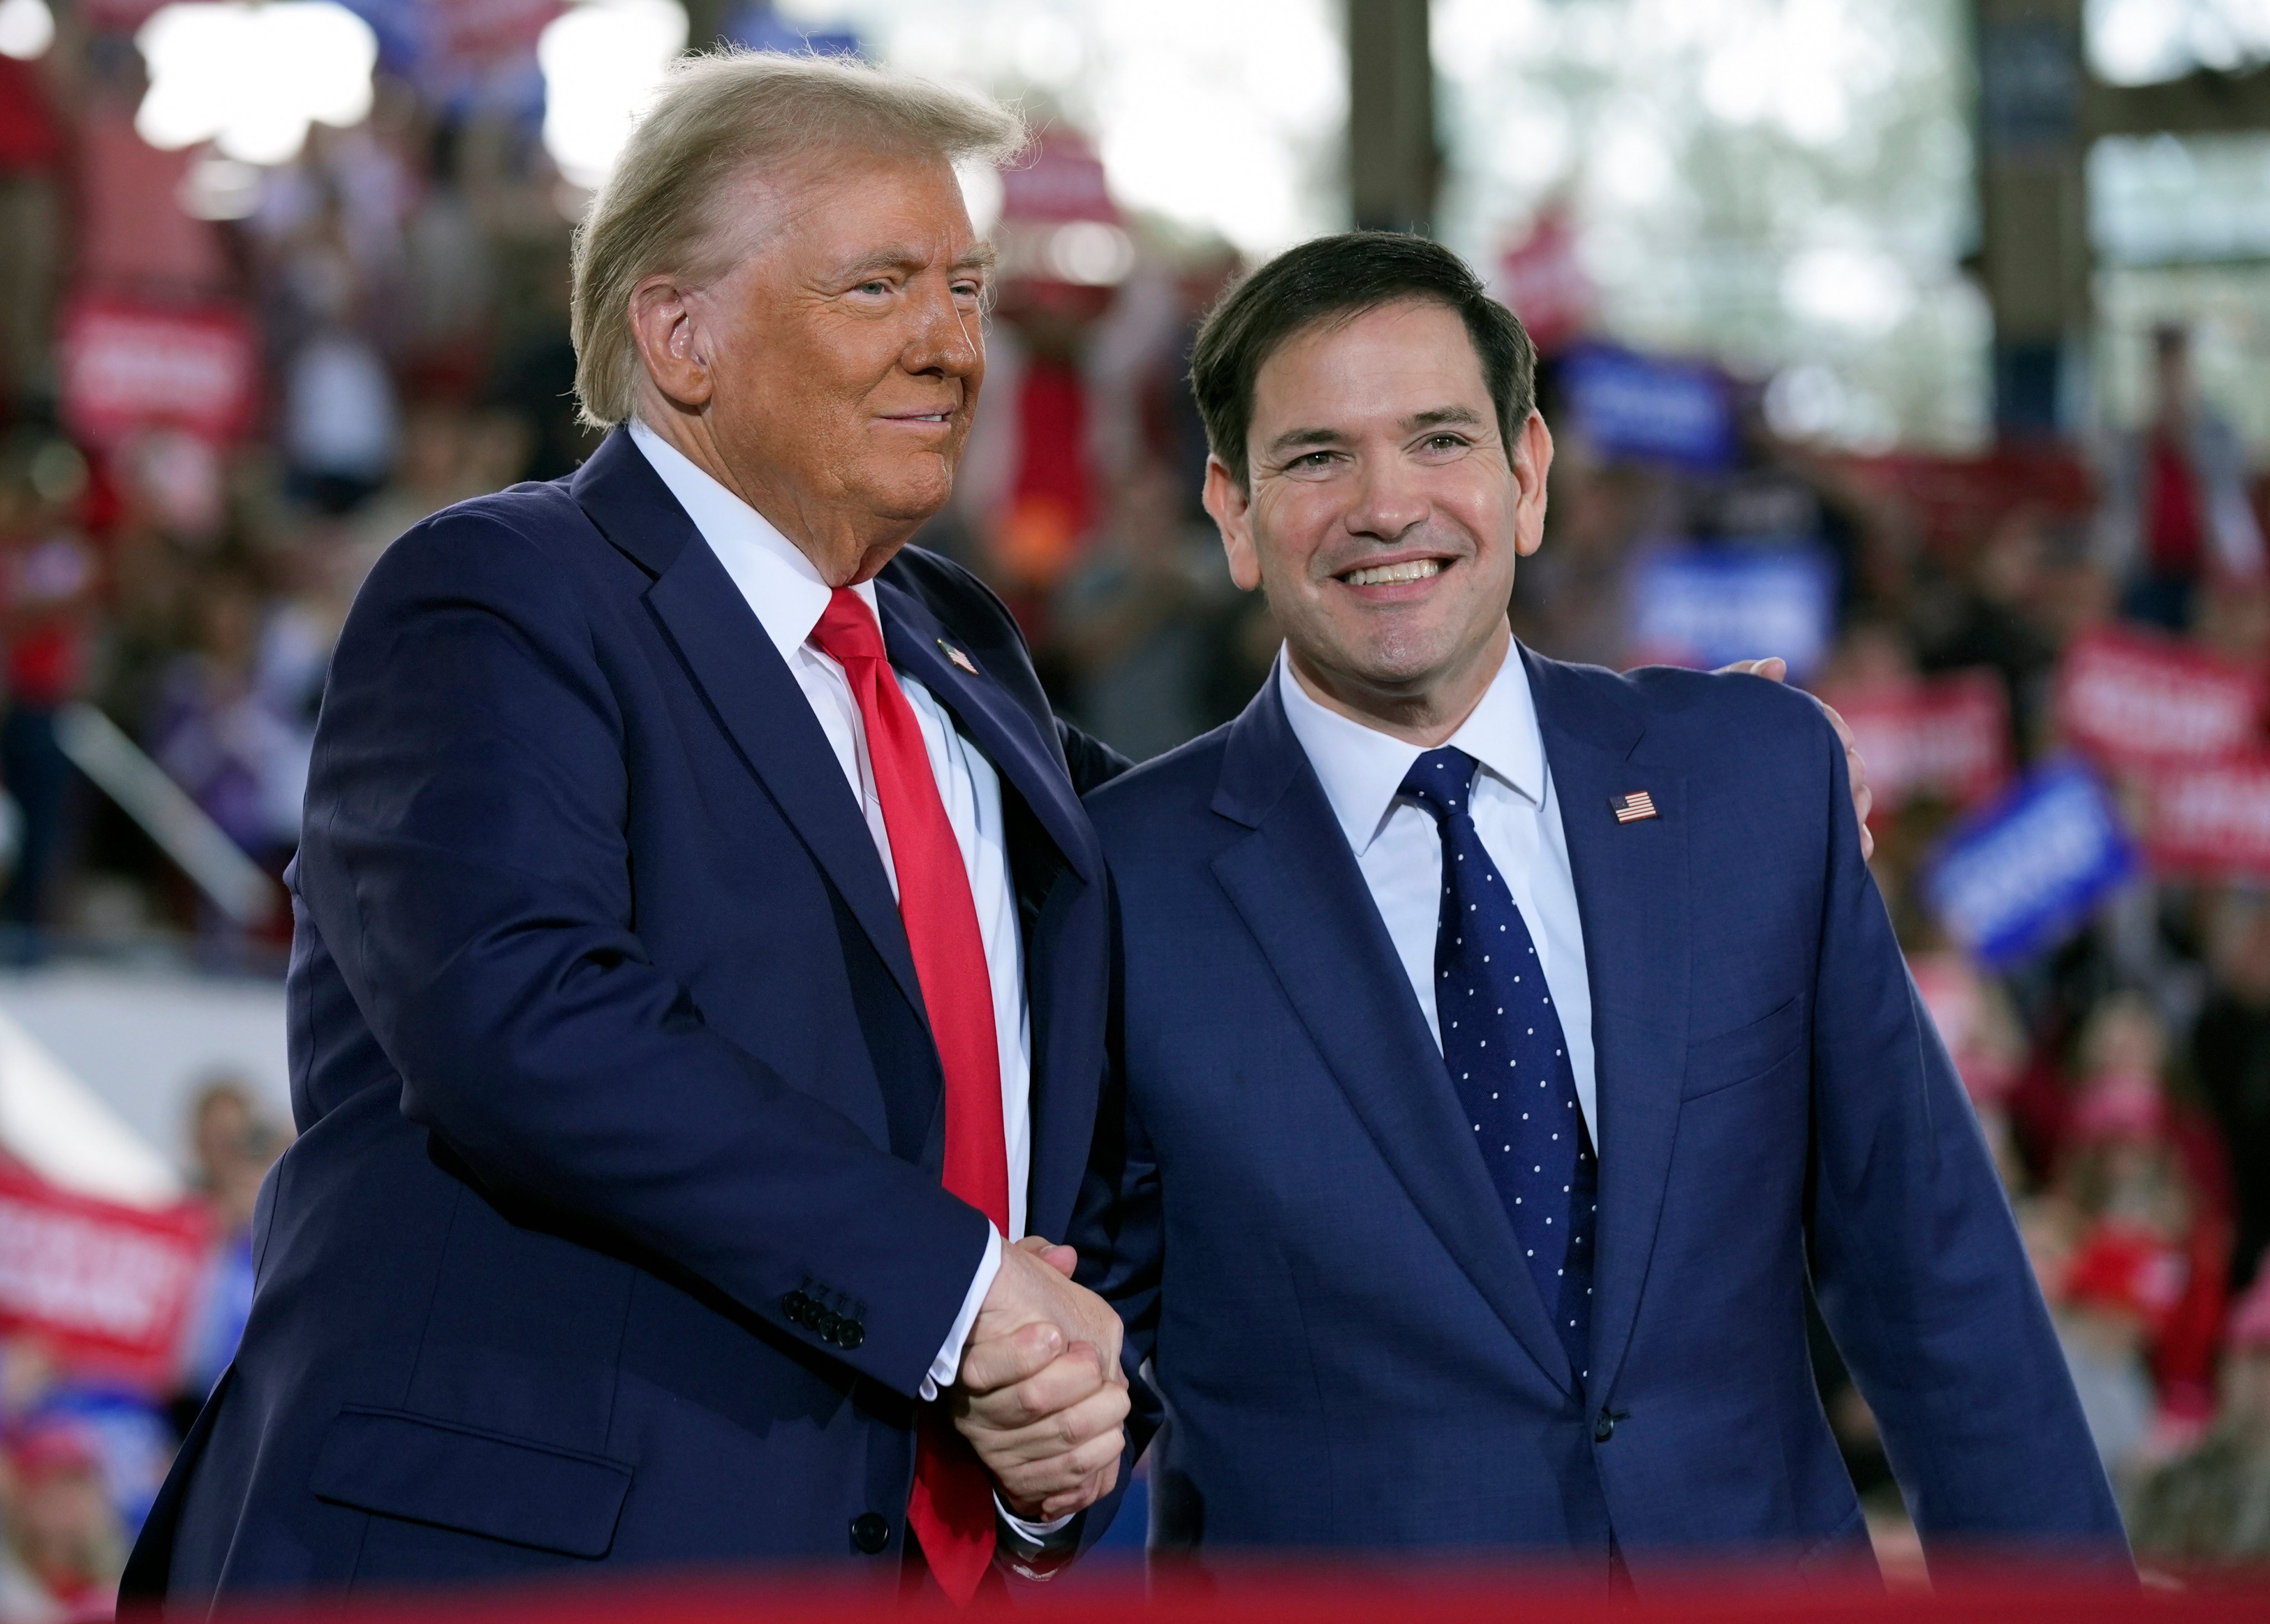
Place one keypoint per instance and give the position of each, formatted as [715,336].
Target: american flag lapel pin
[957,657]
[1637,807]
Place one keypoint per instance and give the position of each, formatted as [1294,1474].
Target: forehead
[845,203]
[1389,362]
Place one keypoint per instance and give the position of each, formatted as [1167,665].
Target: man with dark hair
[1504,1049]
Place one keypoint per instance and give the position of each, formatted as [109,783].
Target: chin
[909,495]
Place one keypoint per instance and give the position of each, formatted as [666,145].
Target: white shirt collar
[786,593]
[1362,768]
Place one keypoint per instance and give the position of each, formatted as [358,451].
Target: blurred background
[1924,343]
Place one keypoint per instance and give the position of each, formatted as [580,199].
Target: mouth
[1401,573]
[939,419]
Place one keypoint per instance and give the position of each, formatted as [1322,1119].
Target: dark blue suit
[1288,1206]
[614,1232]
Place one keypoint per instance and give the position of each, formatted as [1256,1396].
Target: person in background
[48,576]
[2231,1058]
[234,1146]
[2213,1504]
[64,1546]
[219,734]
[2119,1289]
[1134,622]
[2152,1168]
[2175,511]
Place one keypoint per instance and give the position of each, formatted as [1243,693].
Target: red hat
[51,1446]
[2250,1316]
[2126,1269]
[2125,1106]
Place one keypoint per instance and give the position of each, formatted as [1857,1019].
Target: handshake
[1042,1398]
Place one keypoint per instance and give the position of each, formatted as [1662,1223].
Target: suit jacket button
[1604,1428]
[871,1532]
[793,1306]
[827,1325]
[851,1336]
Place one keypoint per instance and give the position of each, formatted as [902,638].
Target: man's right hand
[1042,1397]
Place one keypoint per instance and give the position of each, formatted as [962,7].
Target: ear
[1532,460]
[1230,505]
[667,324]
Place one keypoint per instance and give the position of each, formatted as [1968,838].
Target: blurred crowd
[86,1440]
[398,292]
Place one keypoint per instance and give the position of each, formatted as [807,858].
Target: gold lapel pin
[957,657]
[1634,808]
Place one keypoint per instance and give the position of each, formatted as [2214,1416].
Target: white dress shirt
[1399,845]
[788,596]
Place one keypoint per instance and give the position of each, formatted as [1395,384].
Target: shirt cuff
[948,1365]
[1037,1534]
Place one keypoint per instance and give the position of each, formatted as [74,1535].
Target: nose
[947,339]
[1388,501]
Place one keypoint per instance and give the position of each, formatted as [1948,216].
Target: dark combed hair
[1332,279]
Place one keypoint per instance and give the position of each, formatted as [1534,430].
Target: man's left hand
[1775,669]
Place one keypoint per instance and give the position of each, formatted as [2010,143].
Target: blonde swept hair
[716,117]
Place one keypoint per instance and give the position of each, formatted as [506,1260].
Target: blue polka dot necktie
[1508,1059]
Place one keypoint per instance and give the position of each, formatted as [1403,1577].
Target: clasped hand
[1041,1396]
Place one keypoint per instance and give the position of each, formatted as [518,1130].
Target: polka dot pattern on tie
[1546,1180]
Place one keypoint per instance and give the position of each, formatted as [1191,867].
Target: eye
[874,285]
[1445,442]
[1312,459]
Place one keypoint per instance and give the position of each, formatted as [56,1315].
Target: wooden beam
[1394,163]
[2200,103]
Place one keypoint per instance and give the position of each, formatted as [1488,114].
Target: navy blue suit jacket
[1289,1212]
[614,1232]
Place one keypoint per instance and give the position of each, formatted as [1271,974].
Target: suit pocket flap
[1747,1051]
[427,1470]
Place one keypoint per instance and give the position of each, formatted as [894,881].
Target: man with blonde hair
[697,993]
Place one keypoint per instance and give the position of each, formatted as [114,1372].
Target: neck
[1425,715]
[843,550]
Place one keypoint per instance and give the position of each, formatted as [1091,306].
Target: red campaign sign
[2135,699]
[482,31]
[118,16]
[1947,739]
[1542,279]
[2210,818]
[126,366]
[111,1286]
[1059,180]
[1960,500]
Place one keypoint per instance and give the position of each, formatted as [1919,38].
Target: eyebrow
[898,256]
[1305,438]
[1463,417]
[1311,439]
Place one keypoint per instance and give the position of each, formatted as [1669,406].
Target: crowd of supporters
[404,286]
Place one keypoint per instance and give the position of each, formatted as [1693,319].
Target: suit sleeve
[464,859]
[1118,1227]
[1917,1262]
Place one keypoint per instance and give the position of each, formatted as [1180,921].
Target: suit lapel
[1632,897]
[1298,888]
[999,726]
[749,689]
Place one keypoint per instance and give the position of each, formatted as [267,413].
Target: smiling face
[1384,515]
[829,377]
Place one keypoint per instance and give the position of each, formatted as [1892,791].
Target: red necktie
[952,1507]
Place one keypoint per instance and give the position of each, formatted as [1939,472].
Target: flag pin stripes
[1633,808]
[957,657]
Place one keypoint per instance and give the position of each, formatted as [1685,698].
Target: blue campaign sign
[1706,607]
[1645,407]
[2021,874]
